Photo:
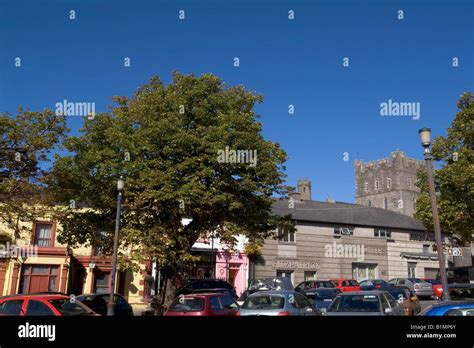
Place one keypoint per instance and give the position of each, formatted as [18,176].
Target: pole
[212,256]
[437,227]
[111,304]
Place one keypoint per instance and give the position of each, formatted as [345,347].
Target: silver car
[365,303]
[420,287]
[278,303]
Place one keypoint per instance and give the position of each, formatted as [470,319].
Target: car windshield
[355,303]
[187,304]
[398,293]
[265,302]
[416,280]
[433,281]
[324,284]
[321,295]
[67,307]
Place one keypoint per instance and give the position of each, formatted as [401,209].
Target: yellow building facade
[37,262]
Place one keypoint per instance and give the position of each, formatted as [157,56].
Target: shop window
[101,283]
[39,278]
[310,275]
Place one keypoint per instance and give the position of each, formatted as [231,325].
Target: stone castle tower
[388,183]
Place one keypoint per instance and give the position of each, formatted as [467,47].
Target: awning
[420,256]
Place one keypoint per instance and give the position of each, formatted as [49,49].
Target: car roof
[274,292]
[202,295]
[453,303]
[367,292]
[33,296]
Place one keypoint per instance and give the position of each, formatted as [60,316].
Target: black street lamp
[111,304]
[425,136]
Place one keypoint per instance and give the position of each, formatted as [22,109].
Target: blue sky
[298,62]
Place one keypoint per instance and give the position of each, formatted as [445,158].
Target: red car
[43,305]
[212,304]
[437,286]
[345,285]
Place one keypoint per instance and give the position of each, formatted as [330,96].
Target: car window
[302,302]
[335,282]
[401,281]
[301,286]
[353,282]
[392,281]
[355,303]
[228,302]
[38,308]
[263,302]
[12,307]
[385,303]
[215,304]
[187,304]
[461,312]
[391,300]
[69,308]
[345,283]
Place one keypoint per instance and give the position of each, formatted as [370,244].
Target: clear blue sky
[295,62]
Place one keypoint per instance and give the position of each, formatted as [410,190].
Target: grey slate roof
[345,214]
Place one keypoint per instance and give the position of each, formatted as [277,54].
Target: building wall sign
[296,265]
[375,250]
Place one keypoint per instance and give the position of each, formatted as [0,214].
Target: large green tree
[455,178]
[167,142]
[26,141]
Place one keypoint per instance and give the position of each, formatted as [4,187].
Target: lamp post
[111,304]
[425,136]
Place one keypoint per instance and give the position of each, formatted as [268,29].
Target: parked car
[98,303]
[203,305]
[406,298]
[371,284]
[365,303]
[278,303]
[418,286]
[192,285]
[313,284]
[461,292]
[245,295]
[345,285]
[43,305]
[273,283]
[450,308]
[224,291]
[437,286]
[321,297]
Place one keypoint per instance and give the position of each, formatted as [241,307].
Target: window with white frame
[389,183]
[366,187]
[382,233]
[376,185]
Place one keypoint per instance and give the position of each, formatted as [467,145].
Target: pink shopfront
[229,265]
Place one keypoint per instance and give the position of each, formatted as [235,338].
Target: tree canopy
[455,178]
[166,142]
[26,142]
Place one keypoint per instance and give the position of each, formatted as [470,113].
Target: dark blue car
[450,308]
[321,297]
